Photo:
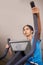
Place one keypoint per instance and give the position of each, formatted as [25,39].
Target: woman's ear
[32,32]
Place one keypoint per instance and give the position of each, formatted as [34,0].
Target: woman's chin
[27,35]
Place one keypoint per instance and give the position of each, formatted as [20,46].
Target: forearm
[37,24]
[10,52]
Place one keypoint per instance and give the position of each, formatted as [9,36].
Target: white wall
[14,14]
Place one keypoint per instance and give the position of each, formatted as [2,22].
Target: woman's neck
[30,37]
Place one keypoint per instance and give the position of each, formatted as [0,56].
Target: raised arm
[37,22]
[36,17]
[39,25]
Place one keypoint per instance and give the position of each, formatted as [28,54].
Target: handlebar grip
[32,4]
[8,41]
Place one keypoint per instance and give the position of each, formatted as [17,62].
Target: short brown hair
[31,28]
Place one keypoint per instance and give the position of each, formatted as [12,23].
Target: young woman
[36,57]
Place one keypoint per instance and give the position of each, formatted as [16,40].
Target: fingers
[35,10]
[7,46]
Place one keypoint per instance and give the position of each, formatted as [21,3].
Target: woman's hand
[7,46]
[35,10]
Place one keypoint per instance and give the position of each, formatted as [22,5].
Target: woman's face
[27,31]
